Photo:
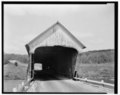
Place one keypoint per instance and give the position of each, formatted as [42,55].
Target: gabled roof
[49,32]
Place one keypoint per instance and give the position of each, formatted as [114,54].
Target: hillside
[21,58]
[101,56]
[96,65]
[15,72]
[93,64]
[98,57]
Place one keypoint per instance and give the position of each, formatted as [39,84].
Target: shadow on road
[47,77]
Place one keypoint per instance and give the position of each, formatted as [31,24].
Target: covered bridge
[55,50]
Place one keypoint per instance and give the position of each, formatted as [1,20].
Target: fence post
[102,82]
[29,78]
[85,79]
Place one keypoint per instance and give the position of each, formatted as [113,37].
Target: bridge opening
[56,62]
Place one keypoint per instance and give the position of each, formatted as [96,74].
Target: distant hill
[21,58]
[98,57]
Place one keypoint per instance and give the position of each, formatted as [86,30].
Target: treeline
[21,58]
[101,56]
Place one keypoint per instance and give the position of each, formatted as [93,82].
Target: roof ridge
[47,33]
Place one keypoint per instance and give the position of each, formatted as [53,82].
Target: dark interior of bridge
[57,62]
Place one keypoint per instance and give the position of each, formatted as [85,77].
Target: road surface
[67,85]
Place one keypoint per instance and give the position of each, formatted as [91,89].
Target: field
[12,72]
[10,84]
[97,72]
[94,65]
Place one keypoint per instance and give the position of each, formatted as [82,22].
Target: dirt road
[63,86]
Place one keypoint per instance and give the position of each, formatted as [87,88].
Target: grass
[91,71]
[97,72]
[13,76]
[15,72]
[10,84]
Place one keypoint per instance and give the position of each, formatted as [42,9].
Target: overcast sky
[93,25]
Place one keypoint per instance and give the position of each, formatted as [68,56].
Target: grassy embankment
[96,65]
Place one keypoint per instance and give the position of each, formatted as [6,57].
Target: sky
[93,25]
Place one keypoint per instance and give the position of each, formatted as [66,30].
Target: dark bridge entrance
[57,61]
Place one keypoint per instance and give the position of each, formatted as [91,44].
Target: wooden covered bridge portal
[56,50]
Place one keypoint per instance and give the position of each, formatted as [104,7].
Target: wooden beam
[42,36]
[29,67]
[37,40]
